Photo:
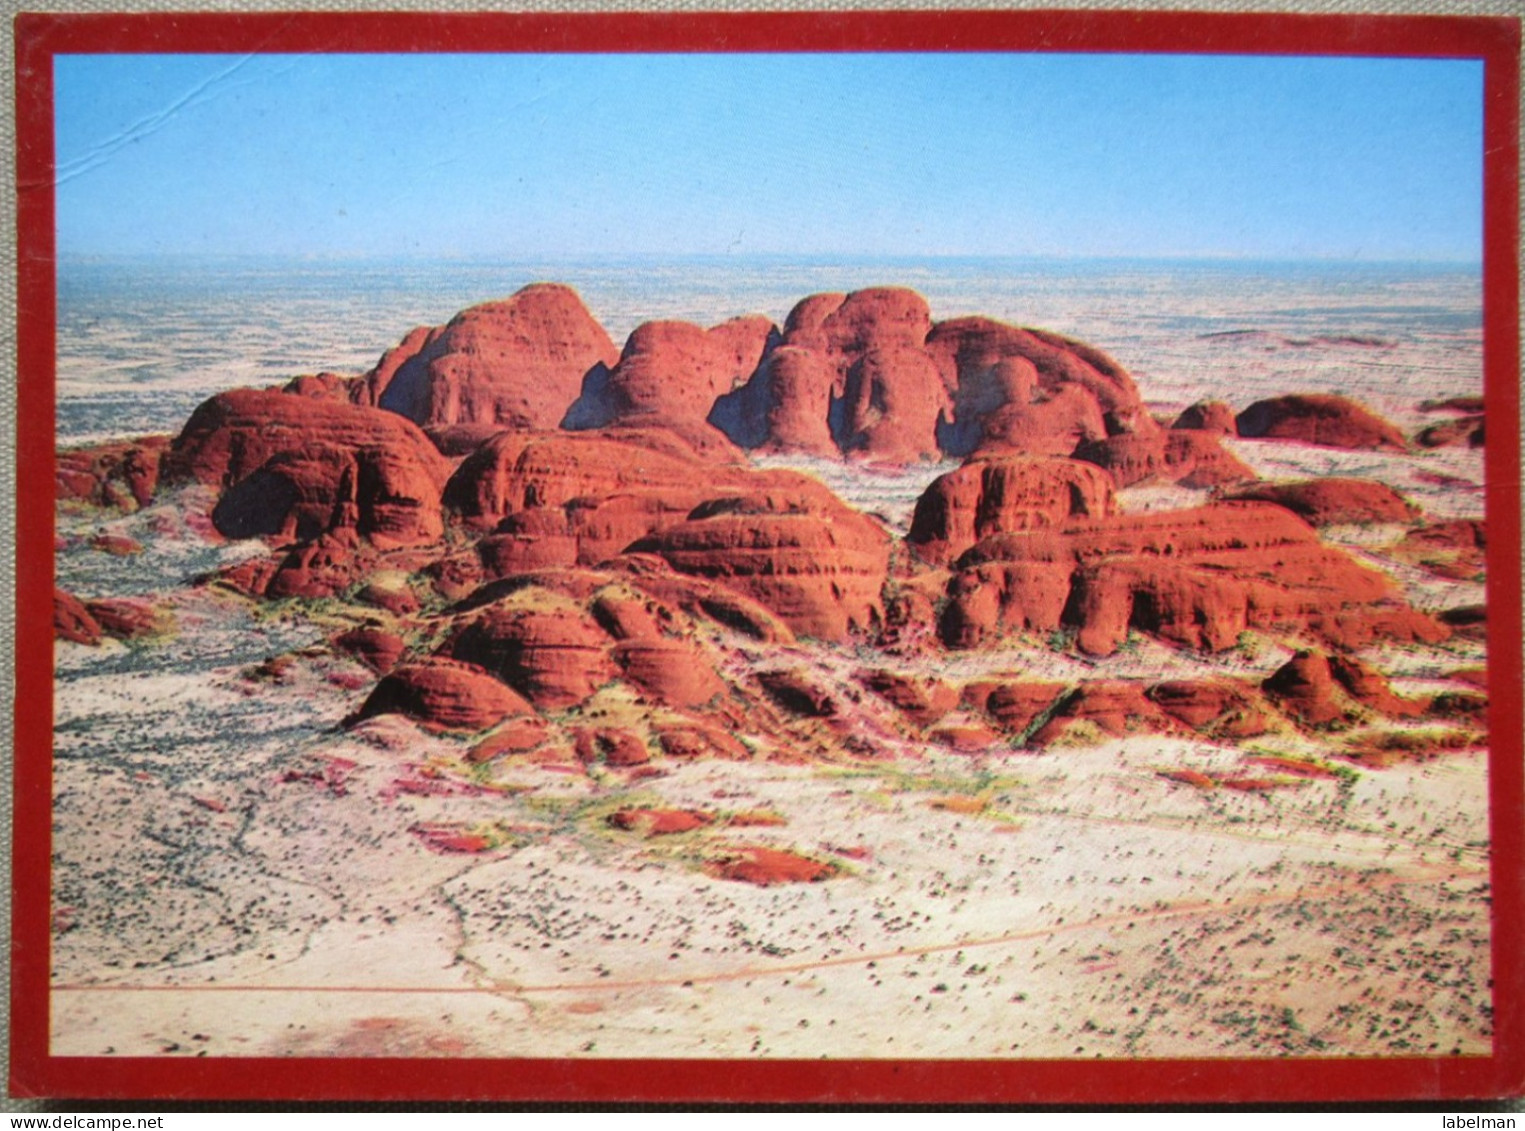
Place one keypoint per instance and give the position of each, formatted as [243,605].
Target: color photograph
[771,556]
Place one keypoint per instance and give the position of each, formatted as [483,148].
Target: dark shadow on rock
[256,507]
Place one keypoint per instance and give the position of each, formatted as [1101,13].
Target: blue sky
[915,154]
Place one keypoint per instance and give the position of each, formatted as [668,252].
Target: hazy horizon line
[783,257]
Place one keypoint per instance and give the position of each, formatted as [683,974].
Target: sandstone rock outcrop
[1369,687]
[766,867]
[443,695]
[1016,704]
[518,363]
[129,618]
[922,699]
[1305,688]
[72,621]
[1319,418]
[1322,690]
[674,673]
[1196,578]
[1030,391]
[374,647]
[323,567]
[797,693]
[989,600]
[891,404]
[615,747]
[670,375]
[320,386]
[292,468]
[122,474]
[778,537]
[1004,494]
[1114,707]
[630,478]
[699,741]
[1208,416]
[455,441]
[516,736]
[1336,500]
[785,407]
[709,600]
[555,655]
[1025,419]
[558,636]
[660,822]
[851,377]
[1468,430]
[1455,548]
[1470,622]
[814,562]
[1192,458]
[390,592]
[1222,708]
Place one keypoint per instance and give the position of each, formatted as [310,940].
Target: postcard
[927,556]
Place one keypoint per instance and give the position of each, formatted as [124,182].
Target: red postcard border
[34,1072]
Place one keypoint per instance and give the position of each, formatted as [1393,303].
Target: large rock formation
[552,653]
[865,375]
[785,407]
[869,376]
[674,673]
[519,363]
[292,468]
[1017,705]
[373,646]
[1466,428]
[1029,391]
[922,699]
[816,563]
[852,378]
[1037,393]
[991,599]
[711,601]
[1196,577]
[844,329]
[321,386]
[1190,457]
[443,695]
[580,471]
[1319,418]
[778,537]
[1003,494]
[891,404]
[669,376]
[129,618]
[582,497]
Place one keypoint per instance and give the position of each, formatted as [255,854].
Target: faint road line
[1172,911]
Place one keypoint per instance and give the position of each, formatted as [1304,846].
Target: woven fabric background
[1507,8]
